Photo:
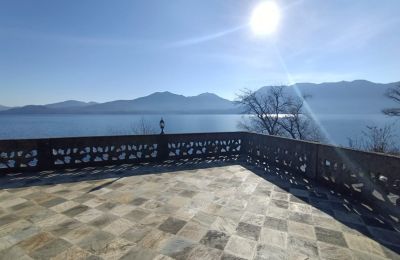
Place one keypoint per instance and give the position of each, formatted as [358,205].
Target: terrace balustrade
[371,177]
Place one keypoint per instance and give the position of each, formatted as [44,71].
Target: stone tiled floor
[152,212]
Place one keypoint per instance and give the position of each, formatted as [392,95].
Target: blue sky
[96,50]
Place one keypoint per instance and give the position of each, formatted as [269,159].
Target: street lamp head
[162,125]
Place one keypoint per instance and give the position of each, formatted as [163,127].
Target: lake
[336,127]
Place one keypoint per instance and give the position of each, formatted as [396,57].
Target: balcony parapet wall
[372,177]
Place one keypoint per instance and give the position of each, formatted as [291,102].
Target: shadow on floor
[352,213]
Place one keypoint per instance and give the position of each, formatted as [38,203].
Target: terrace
[196,196]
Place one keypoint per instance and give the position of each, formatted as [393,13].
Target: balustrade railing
[372,176]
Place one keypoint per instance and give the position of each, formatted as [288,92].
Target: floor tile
[193,231]
[241,247]
[330,236]
[273,237]
[248,231]
[172,225]
[215,239]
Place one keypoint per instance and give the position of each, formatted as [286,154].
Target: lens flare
[265,18]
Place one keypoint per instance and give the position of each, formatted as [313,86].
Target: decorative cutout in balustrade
[283,152]
[18,159]
[203,148]
[363,174]
[124,152]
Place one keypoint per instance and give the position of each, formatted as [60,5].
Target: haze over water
[339,127]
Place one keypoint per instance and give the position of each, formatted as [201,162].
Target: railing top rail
[120,136]
[328,145]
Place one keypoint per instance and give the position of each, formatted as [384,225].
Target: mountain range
[2,108]
[159,102]
[345,97]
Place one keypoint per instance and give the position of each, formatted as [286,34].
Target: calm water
[337,127]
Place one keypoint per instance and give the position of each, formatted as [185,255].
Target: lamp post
[162,125]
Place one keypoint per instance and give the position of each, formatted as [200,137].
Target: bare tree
[139,127]
[376,139]
[143,127]
[393,94]
[264,108]
[277,113]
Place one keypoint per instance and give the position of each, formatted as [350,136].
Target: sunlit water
[338,127]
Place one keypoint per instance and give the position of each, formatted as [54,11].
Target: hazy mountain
[30,109]
[344,97]
[167,102]
[354,97]
[2,108]
[70,104]
[159,102]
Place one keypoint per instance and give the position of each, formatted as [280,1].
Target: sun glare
[265,18]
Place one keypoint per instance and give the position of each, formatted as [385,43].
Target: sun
[265,18]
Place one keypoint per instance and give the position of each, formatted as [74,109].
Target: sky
[97,50]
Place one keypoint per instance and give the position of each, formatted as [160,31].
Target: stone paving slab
[224,211]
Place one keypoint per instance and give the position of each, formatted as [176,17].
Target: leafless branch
[276,113]
[376,139]
[143,127]
[393,94]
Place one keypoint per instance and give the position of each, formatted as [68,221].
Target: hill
[159,102]
[344,97]
[2,108]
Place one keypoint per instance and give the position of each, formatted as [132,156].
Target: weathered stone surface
[72,253]
[330,236]
[253,219]
[265,251]
[75,210]
[77,234]
[273,237]
[204,252]
[226,212]
[35,242]
[172,225]
[302,246]
[203,218]
[51,249]
[140,253]
[118,226]
[64,227]
[215,239]
[332,252]
[102,221]
[178,248]
[136,233]
[155,239]
[96,241]
[138,201]
[193,231]
[115,249]
[248,231]
[225,225]
[364,244]
[276,223]
[301,229]
[227,256]
[136,215]
[300,217]
[241,247]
